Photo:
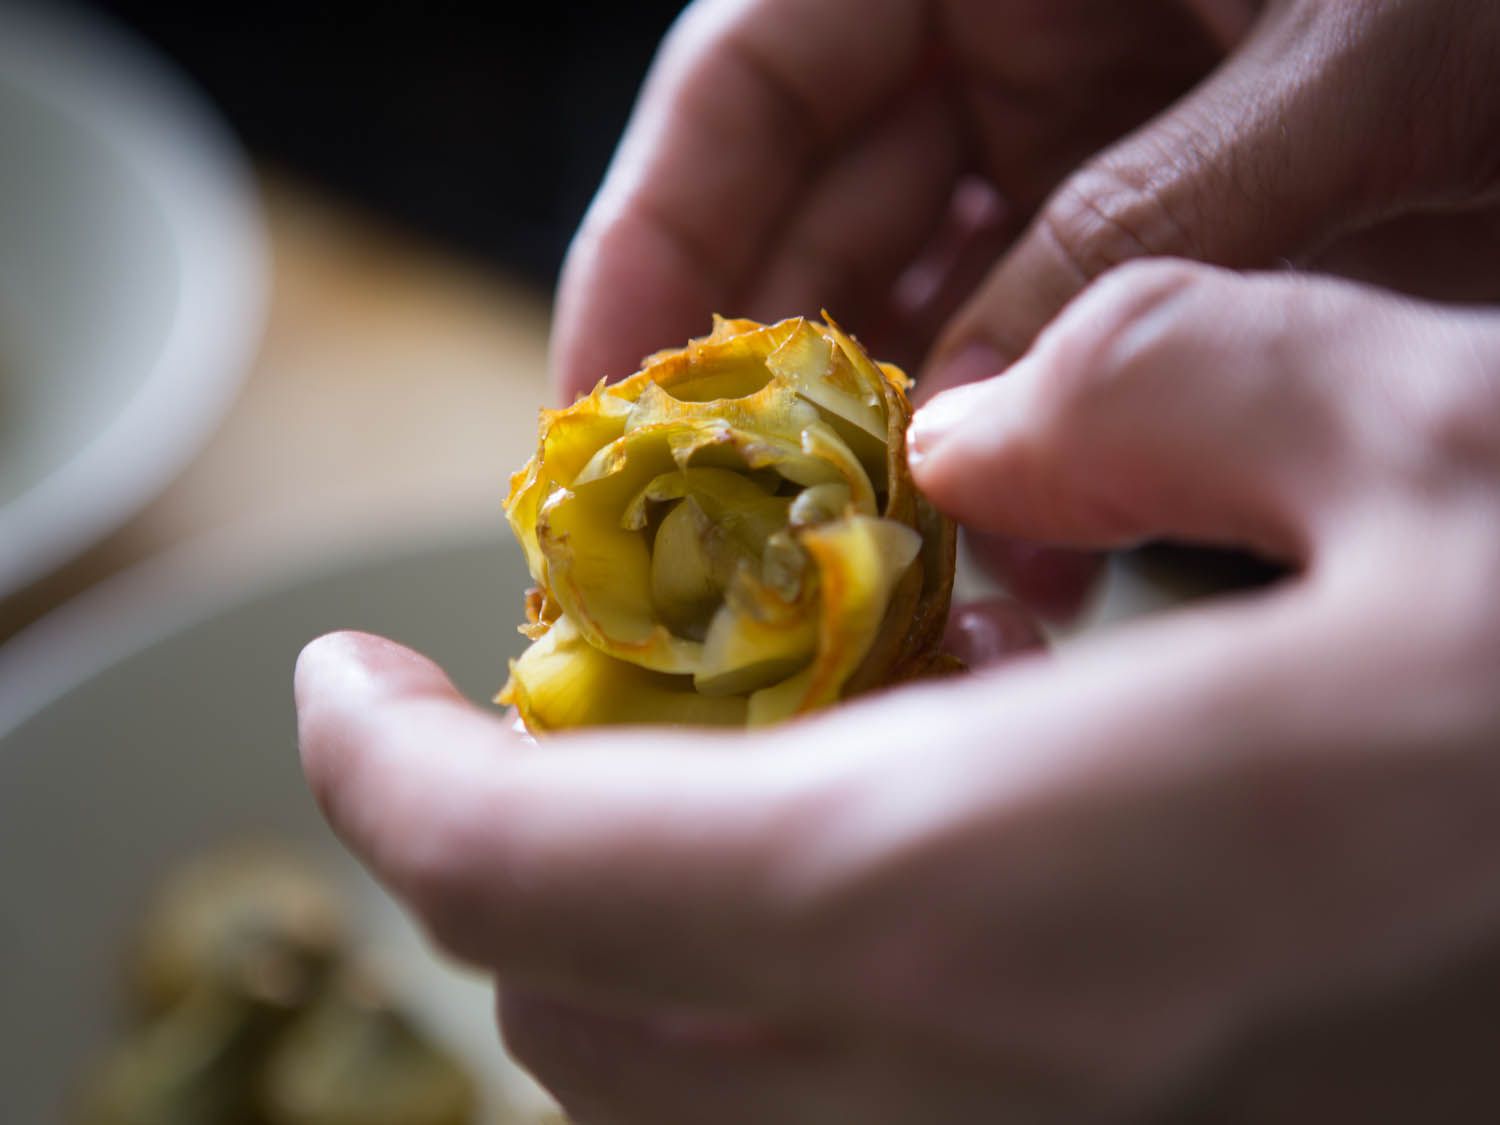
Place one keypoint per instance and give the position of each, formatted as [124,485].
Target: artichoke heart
[730,536]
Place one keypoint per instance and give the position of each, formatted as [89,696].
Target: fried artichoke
[729,537]
[249,1011]
[247,919]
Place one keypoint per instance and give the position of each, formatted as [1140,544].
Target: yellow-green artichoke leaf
[859,560]
[811,361]
[563,681]
[600,574]
[757,638]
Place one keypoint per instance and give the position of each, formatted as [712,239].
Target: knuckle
[1109,340]
[1108,214]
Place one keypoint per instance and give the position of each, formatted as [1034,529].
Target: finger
[1052,582]
[975,230]
[650,865]
[654,1070]
[1107,754]
[1156,747]
[1295,139]
[863,218]
[1169,399]
[987,632]
[736,120]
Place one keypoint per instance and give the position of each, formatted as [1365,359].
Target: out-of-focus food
[256,921]
[198,1064]
[356,1059]
[730,536]
[252,1011]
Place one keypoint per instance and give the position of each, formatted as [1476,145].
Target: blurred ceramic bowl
[150,721]
[132,281]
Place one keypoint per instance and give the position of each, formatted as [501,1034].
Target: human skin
[1085,886]
[944,175]
[1239,862]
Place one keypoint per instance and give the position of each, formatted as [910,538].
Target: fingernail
[355,665]
[974,362]
[939,418]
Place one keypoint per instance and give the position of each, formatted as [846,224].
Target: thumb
[1169,399]
[1308,131]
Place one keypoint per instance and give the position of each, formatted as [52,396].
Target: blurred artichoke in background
[250,1011]
[358,1059]
[253,919]
[730,536]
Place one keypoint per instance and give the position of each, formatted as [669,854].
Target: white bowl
[132,281]
[152,718]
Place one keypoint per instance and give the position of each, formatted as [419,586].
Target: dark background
[488,127]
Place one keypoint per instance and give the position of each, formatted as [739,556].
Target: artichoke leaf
[819,504]
[730,359]
[817,455]
[566,442]
[740,507]
[601,578]
[720,522]
[783,565]
[859,561]
[774,409]
[779,420]
[819,371]
[683,587]
[528,489]
[900,501]
[823,442]
[570,437]
[756,638]
[563,681]
[848,402]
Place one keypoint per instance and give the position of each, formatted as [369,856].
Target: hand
[956,172]
[1072,887]
[787,154]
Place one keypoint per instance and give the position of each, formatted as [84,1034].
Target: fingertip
[989,631]
[962,441]
[934,422]
[341,680]
[349,667]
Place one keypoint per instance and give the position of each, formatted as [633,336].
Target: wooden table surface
[395,390]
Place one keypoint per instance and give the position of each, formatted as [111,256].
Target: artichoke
[728,537]
[251,919]
[357,1059]
[250,1014]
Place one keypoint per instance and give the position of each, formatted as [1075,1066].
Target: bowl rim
[165,133]
[182,588]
